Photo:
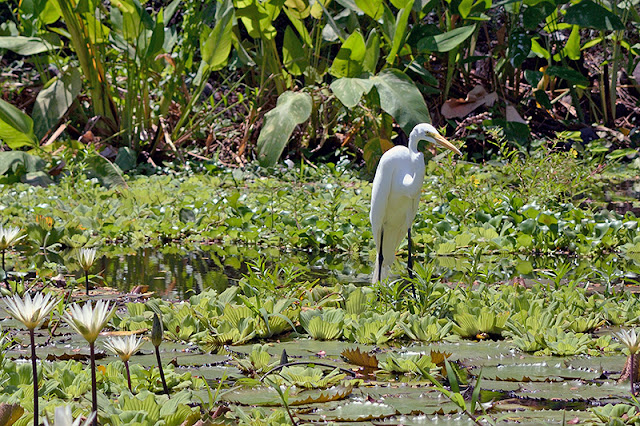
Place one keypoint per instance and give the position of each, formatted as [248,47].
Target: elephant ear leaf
[16,127]
[293,108]
[401,99]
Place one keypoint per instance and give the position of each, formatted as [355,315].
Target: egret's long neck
[413,143]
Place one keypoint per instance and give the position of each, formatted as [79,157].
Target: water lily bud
[86,258]
[157,331]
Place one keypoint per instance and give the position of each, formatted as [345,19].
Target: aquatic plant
[8,237]
[64,417]
[124,347]
[157,333]
[88,321]
[631,340]
[31,313]
[86,258]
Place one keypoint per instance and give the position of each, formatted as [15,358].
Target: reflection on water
[177,273]
[172,272]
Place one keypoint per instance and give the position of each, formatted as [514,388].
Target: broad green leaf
[293,54]
[350,90]
[519,47]
[298,24]
[539,50]
[401,4]
[568,74]
[105,171]
[217,46]
[155,38]
[446,41]
[588,14]
[572,48]
[126,159]
[533,77]
[298,8]
[25,46]
[256,18]
[619,153]
[53,101]
[16,127]
[372,53]
[373,8]
[534,15]
[348,62]
[291,109]
[465,8]
[39,178]
[400,98]
[12,161]
[400,33]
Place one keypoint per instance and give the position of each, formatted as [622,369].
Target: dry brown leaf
[636,74]
[357,357]
[438,357]
[513,115]
[10,413]
[74,357]
[477,97]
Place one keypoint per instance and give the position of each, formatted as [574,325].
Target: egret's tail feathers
[382,274]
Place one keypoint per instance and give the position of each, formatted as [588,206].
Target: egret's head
[427,132]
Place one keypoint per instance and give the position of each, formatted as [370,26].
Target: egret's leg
[410,262]
[380,257]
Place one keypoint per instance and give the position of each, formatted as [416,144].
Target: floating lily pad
[355,411]
[536,372]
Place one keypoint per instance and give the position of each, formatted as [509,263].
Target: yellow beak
[443,142]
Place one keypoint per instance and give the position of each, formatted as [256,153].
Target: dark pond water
[172,272]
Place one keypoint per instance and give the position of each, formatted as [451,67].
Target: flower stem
[34,367]
[94,387]
[86,281]
[126,366]
[164,382]
[633,373]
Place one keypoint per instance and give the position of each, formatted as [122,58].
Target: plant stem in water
[86,281]
[164,382]
[126,366]
[35,376]
[633,373]
[94,387]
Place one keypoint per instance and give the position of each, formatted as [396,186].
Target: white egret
[396,195]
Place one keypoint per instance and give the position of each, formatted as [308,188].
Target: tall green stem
[164,382]
[94,386]
[34,367]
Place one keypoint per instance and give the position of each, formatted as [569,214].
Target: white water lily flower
[86,258]
[64,417]
[124,347]
[30,312]
[630,339]
[88,321]
[9,236]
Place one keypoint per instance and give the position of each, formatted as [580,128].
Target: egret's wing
[380,197]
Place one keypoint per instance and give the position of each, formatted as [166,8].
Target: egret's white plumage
[396,194]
